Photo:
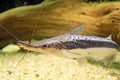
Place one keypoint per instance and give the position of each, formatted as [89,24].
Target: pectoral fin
[80,58]
[70,54]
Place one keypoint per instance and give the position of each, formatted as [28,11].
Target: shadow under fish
[77,46]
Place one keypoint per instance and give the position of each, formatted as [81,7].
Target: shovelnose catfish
[75,45]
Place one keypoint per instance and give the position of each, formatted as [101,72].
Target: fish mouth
[31,47]
[27,46]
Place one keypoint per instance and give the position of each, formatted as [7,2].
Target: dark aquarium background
[8,4]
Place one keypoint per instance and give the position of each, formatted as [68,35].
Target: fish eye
[44,46]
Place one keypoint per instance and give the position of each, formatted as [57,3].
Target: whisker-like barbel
[10,33]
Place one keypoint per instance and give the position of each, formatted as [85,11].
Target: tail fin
[10,33]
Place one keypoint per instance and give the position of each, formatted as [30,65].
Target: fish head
[40,46]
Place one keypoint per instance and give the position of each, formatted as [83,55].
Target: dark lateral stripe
[86,44]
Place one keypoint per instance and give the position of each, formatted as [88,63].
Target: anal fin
[82,61]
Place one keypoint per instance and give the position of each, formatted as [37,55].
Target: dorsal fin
[109,37]
[77,30]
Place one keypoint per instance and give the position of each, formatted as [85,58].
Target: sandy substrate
[49,67]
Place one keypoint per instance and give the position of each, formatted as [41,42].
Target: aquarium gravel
[49,67]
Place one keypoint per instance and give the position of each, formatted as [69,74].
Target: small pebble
[11,48]
[9,72]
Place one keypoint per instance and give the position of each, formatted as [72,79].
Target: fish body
[75,46]
[68,41]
